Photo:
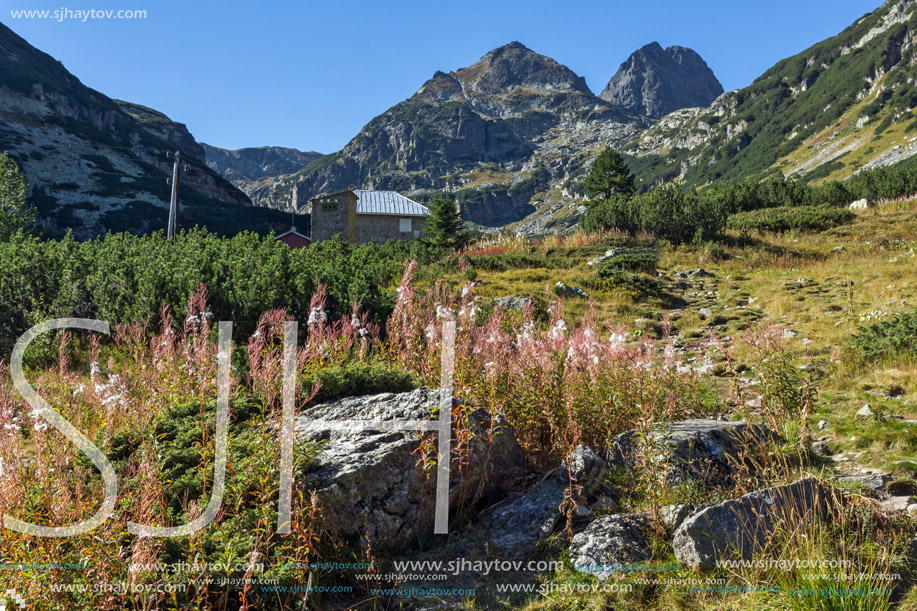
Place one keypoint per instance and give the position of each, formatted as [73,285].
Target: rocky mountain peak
[656,81]
[515,65]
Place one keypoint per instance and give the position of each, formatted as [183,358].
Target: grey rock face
[744,526]
[899,503]
[609,542]
[84,152]
[369,481]
[586,468]
[673,515]
[694,449]
[252,169]
[656,81]
[518,527]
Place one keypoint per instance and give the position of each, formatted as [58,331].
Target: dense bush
[667,212]
[357,379]
[632,262]
[887,339]
[803,218]
[127,278]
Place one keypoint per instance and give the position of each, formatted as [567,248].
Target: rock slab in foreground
[369,482]
[609,542]
[745,526]
[518,527]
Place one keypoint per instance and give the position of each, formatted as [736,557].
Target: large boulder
[517,527]
[369,481]
[692,449]
[609,544]
[746,526]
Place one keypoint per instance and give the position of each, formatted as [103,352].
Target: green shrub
[126,278]
[618,280]
[666,212]
[631,262]
[513,260]
[358,379]
[802,218]
[891,338]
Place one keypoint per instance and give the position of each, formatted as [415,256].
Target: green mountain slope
[842,104]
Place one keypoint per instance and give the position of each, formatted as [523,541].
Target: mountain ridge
[840,105]
[95,164]
[501,135]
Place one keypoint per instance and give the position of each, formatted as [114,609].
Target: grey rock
[865,411]
[513,303]
[899,503]
[609,542]
[744,526]
[656,81]
[673,515]
[565,290]
[516,528]
[822,425]
[587,468]
[369,482]
[693,449]
[688,274]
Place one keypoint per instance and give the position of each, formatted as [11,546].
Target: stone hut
[363,216]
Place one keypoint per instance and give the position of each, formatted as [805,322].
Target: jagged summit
[509,80]
[656,81]
[515,65]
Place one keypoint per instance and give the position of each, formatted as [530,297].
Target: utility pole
[172,228]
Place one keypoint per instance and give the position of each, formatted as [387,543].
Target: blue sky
[311,74]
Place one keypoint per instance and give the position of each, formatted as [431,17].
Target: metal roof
[388,202]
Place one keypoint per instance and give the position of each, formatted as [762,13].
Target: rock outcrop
[518,527]
[609,544]
[656,81]
[746,526]
[369,481]
[693,449]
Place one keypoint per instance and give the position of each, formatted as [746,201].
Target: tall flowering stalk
[557,384]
